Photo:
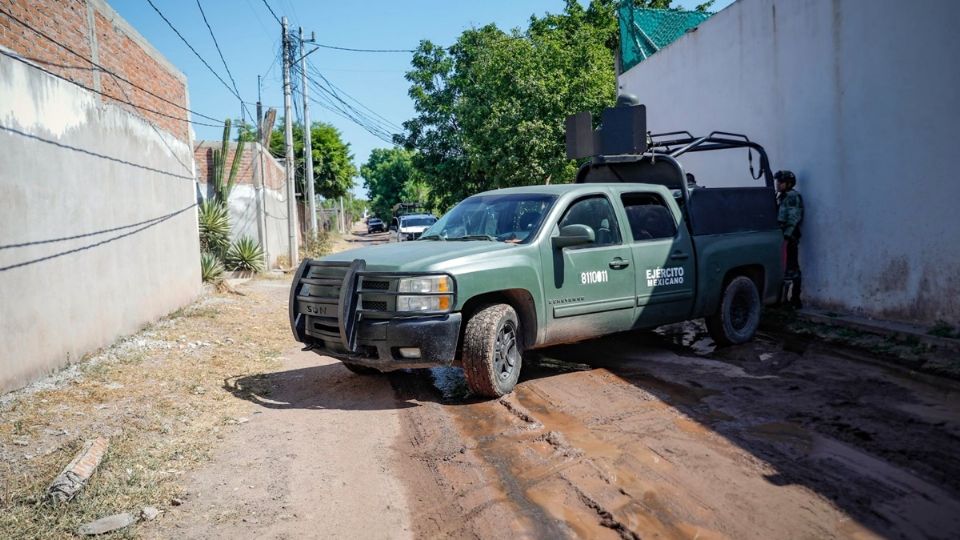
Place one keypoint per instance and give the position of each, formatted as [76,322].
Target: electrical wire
[193,50]
[334,103]
[102,93]
[339,90]
[351,49]
[272,12]
[104,69]
[217,45]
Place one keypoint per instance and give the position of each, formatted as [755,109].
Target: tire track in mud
[756,442]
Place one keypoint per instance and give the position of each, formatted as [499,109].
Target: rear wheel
[361,370]
[738,317]
[492,351]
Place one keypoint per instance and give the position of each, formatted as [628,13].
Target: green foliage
[333,167]
[390,177]
[211,269]
[246,131]
[317,245]
[491,108]
[245,254]
[214,226]
[943,329]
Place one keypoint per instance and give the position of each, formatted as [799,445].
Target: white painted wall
[243,219]
[70,165]
[860,99]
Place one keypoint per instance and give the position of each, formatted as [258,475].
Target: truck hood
[420,255]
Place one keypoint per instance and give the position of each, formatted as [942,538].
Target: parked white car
[410,227]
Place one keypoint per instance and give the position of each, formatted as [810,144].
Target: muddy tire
[737,318]
[361,370]
[492,351]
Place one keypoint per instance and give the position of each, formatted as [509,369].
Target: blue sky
[250,39]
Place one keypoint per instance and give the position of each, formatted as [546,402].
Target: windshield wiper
[475,237]
[432,237]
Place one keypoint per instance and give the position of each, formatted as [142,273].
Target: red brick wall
[66,21]
[273,172]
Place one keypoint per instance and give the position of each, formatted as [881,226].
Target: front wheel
[738,317]
[492,351]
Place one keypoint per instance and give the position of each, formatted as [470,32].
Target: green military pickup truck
[628,246]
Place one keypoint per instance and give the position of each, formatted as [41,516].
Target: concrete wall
[98,232]
[858,99]
[242,202]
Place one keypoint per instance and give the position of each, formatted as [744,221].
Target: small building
[257,168]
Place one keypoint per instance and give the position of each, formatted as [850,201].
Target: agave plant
[211,270]
[245,254]
[214,221]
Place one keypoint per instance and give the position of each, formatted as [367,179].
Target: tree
[490,109]
[389,176]
[333,167]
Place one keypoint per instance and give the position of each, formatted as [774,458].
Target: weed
[316,246]
[942,328]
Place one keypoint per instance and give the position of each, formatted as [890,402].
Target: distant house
[645,31]
[243,208]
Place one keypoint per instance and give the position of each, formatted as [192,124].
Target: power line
[105,70]
[102,93]
[351,49]
[337,89]
[217,45]
[189,46]
[272,12]
[338,105]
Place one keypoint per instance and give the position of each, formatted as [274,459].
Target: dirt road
[635,435]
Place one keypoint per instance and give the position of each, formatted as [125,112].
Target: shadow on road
[329,386]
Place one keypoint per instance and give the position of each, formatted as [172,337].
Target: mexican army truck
[628,246]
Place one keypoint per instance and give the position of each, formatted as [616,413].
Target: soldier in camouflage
[790,216]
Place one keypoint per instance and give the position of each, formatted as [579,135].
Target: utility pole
[258,184]
[307,148]
[288,162]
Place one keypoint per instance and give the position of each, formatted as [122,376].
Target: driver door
[589,288]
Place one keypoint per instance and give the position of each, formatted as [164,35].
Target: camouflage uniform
[790,216]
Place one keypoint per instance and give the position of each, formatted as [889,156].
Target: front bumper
[379,343]
[341,310]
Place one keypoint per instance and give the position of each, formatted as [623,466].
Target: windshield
[417,222]
[513,218]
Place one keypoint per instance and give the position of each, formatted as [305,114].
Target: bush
[211,270]
[214,221]
[316,245]
[245,254]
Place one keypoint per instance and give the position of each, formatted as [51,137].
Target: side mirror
[574,235]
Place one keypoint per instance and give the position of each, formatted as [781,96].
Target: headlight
[438,288]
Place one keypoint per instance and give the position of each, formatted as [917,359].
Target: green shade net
[645,31]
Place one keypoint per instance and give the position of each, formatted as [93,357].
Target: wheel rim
[506,355]
[740,307]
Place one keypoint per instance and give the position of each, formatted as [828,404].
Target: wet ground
[660,435]
[638,435]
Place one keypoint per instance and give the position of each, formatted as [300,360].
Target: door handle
[619,263]
[679,255]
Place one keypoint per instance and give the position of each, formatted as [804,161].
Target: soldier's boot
[795,293]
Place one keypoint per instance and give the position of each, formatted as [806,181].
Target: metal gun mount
[621,149]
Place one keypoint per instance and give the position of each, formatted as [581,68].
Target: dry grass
[158,395]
